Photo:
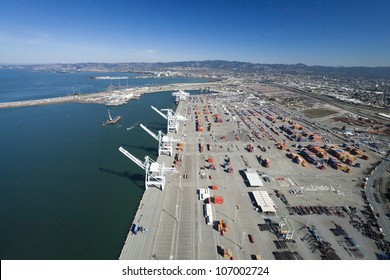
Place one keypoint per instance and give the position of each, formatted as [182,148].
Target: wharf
[175,217]
[158,211]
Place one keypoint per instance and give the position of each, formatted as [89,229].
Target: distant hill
[236,66]
[368,72]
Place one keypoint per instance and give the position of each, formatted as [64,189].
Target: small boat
[112,120]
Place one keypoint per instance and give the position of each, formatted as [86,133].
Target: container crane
[154,172]
[172,118]
[165,143]
[180,95]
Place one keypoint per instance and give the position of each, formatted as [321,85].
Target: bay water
[66,192]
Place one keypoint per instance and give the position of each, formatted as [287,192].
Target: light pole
[307,224]
[242,243]
[235,213]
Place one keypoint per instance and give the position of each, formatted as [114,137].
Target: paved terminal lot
[174,218]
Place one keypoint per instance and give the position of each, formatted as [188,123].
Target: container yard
[255,181]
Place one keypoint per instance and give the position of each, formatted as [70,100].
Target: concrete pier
[175,218]
[105,97]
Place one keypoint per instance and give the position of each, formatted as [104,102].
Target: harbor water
[66,192]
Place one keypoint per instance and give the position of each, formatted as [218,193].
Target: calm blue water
[66,192]
[17,85]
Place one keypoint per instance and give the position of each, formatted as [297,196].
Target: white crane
[165,143]
[173,119]
[180,95]
[154,172]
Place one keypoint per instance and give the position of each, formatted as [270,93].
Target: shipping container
[217,200]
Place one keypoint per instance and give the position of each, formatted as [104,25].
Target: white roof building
[253,178]
[264,201]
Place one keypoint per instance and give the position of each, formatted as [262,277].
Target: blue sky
[343,32]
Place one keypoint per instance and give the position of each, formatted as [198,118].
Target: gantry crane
[180,95]
[154,172]
[173,119]
[165,143]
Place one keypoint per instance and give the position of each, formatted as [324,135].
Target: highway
[383,220]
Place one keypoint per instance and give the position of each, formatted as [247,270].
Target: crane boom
[164,116]
[148,131]
[133,158]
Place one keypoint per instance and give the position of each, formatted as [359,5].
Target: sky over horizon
[329,33]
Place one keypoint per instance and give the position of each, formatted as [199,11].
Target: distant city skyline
[329,33]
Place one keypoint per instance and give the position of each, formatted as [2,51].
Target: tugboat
[112,120]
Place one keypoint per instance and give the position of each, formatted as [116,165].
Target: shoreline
[150,205]
[108,97]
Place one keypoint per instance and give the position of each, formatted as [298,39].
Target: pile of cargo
[217,118]
[282,118]
[357,152]
[300,160]
[341,155]
[211,164]
[317,150]
[315,137]
[345,168]
[226,253]
[298,126]
[223,227]
[309,156]
[288,130]
[229,170]
[226,165]
[264,161]
[198,122]
[270,118]
[334,163]
[180,146]
[301,138]
[282,146]
[212,167]
[250,148]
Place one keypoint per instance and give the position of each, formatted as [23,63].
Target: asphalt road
[383,220]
